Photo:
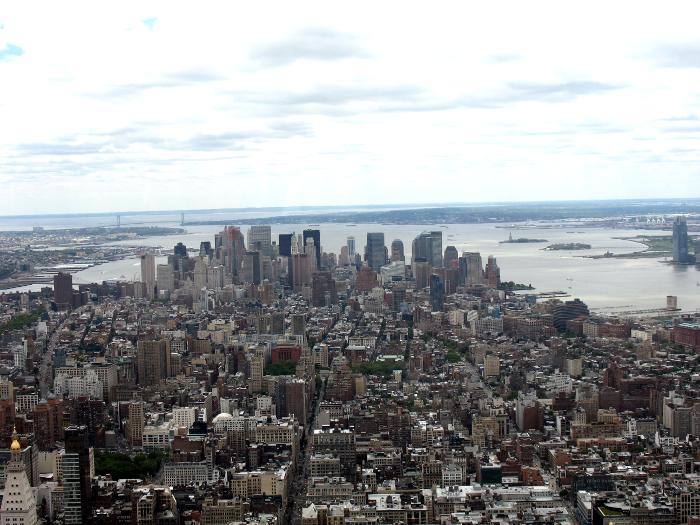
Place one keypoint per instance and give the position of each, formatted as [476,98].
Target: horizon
[384,206]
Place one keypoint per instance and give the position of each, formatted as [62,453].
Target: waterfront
[607,284]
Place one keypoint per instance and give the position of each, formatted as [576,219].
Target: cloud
[555,92]
[167,81]
[150,22]
[10,51]
[309,44]
[680,55]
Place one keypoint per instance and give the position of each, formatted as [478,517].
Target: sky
[182,105]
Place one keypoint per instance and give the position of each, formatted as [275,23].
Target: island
[521,240]
[655,247]
[511,286]
[568,246]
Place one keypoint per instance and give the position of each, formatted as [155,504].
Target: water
[607,284]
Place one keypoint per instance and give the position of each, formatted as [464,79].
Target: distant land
[506,213]
[483,213]
[522,240]
[568,246]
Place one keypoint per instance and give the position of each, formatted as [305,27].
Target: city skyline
[268,109]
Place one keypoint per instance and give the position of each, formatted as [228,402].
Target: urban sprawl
[263,381]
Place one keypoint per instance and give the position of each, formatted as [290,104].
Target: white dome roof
[224,416]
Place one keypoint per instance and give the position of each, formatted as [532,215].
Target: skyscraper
[235,250]
[351,247]
[285,244]
[428,246]
[78,471]
[437,293]
[152,362]
[375,250]
[260,239]
[680,241]
[493,272]
[474,268]
[18,502]
[397,253]
[148,274]
[165,278]
[451,257]
[63,289]
[316,236]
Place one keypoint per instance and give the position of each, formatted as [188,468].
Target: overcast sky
[144,106]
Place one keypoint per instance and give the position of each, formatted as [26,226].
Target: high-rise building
[234,250]
[376,251]
[78,471]
[428,246]
[252,267]
[680,241]
[136,423]
[260,239]
[437,293]
[421,272]
[63,289]
[285,244]
[148,274]
[474,268]
[165,278]
[351,247]
[323,289]
[493,273]
[152,362]
[567,311]
[316,236]
[451,258]
[18,501]
[397,253]
[48,423]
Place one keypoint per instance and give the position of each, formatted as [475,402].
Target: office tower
[376,254]
[316,236]
[18,501]
[492,366]
[567,311]
[136,423]
[428,246]
[48,423]
[148,273]
[200,274]
[300,270]
[260,239]
[152,362]
[205,249]
[437,293]
[421,272]
[397,253]
[235,251]
[323,290]
[78,471]
[165,278]
[7,419]
[252,265]
[475,271]
[7,389]
[344,258]
[298,324]
[180,257]
[180,250]
[63,289]
[351,247]
[451,259]
[680,241]
[493,273]
[285,244]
